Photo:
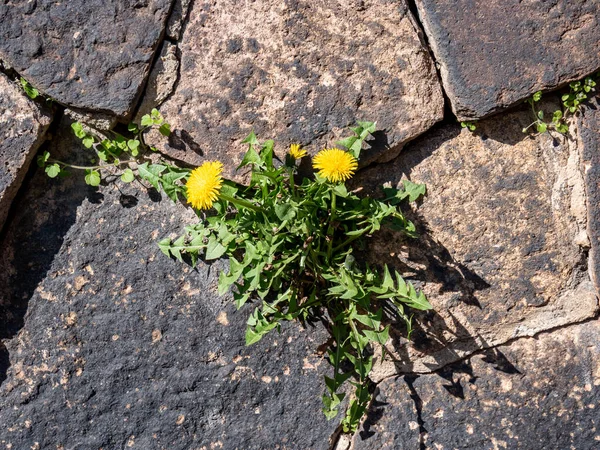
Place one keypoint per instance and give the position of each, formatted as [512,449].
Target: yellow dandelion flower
[204,185]
[335,164]
[296,152]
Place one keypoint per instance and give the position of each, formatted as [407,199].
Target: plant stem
[73,166]
[330,228]
[240,202]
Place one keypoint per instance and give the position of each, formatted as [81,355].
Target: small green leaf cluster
[469,125]
[114,151]
[292,250]
[571,102]
[31,92]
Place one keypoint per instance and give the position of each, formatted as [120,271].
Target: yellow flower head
[335,164]
[204,185]
[296,152]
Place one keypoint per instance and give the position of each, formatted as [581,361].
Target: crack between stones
[418,24]
[337,435]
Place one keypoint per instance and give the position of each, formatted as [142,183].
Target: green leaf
[88,141]
[214,249]
[541,127]
[285,211]
[78,130]
[43,159]
[52,170]
[127,176]
[557,115]
[165,129]
[151,173]
[92,177]
[147,121]
[537,96]
[252,336]
[31,92]
[414,190]
[133,145]
[133,128]
[251,157]
[541,115]
[250,139]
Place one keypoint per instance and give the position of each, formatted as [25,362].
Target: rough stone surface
[537,393]
[89,54]
[23,125]
[298,71]
[161,81]
[503,247]
[589,143]
[493,54]
[121,347]
[177,18]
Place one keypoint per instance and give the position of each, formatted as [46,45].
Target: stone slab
[23,125]
[492,54]
[536,393]
[298,71]
[110,344]
[503,246]
[589,143]
[93,55]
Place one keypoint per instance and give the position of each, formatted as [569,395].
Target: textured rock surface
[161,81]
[589,142]
[86,54]
[298,71]
[537,393]
[23,124]
[504,246]
[494,53]
[123,348]
[177,18]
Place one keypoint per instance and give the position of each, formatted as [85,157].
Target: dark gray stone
[537,393]
[110,344]
[589,138]
[494,53]
[23,125]
[88,54]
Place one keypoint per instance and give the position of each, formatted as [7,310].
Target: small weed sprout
[571,102]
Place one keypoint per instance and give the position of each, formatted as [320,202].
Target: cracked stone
[111,344]
[177,18]
[161,81]
[540,392]
[493,54]
[305,74]
[92,54]
[501,253]
[23,125]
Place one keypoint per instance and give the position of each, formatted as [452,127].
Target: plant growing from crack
[291,244]
[571,102]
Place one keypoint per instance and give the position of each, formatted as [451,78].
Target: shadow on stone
[42,214]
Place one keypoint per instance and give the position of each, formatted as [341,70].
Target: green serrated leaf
[414,190]
[214,249]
